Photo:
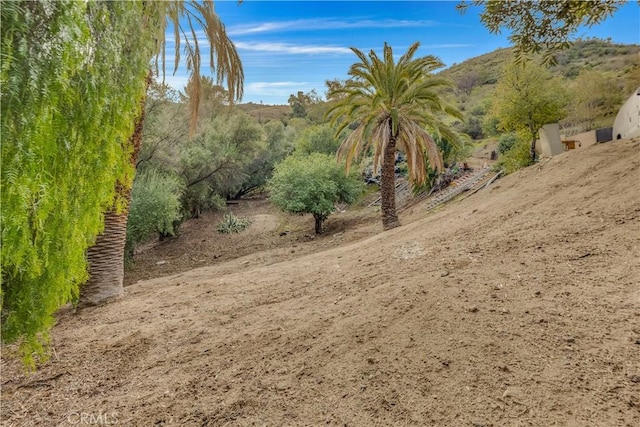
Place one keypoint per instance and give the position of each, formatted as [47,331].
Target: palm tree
[392,104]
[106,257]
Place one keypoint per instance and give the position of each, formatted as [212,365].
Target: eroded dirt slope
[517,306]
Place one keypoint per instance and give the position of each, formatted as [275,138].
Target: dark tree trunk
[106,257]
[532,152]
[319,220]
[388,187]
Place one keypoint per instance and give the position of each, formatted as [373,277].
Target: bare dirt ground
[517,306]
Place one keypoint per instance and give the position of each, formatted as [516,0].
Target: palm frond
[396,101]
[223,57]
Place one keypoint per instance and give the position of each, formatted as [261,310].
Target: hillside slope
[517,306]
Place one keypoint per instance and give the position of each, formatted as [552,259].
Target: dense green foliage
[301,103]
[277,145]
[229,155]
[506,142]
[213,162]
[155,207]
[312,184]
[317,139]
[517,156]
[72,77]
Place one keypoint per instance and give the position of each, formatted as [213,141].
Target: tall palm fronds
[392,105]
[184,17]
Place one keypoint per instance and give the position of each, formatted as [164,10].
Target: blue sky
[287,46]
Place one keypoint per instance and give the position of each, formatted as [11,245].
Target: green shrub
[155,207]
[232,224]
[517,157]
[201,197]
[506,142]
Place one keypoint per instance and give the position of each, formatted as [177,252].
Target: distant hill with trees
[599,76]
[616,67]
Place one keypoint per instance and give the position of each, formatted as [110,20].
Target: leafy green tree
[541,26]
[72,77]
[317,139]
[212,163]
[299,104]
[516,156]
[392,103]
[527,97]
[278,145]
[73,80]
[312,184]
[506,143]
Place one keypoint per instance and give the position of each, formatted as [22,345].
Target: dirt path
[517,306]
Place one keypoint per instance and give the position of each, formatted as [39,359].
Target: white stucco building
[627,123]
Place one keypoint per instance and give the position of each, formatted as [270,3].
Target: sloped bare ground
[272,236]
[517,306]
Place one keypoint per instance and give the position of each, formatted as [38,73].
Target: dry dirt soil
[516,306]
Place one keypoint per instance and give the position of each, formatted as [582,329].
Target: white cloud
[288,48]
[324,24]
[274,88]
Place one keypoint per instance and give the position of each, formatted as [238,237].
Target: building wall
[549,144]
[584,139]
[627,123]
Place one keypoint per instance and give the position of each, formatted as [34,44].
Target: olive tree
[312,184]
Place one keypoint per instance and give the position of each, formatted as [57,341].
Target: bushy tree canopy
[213,162]
[317,139]
[528,97]
[312,184]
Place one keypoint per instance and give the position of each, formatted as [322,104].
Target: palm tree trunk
[388,187]
[106,257]
[106,262]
